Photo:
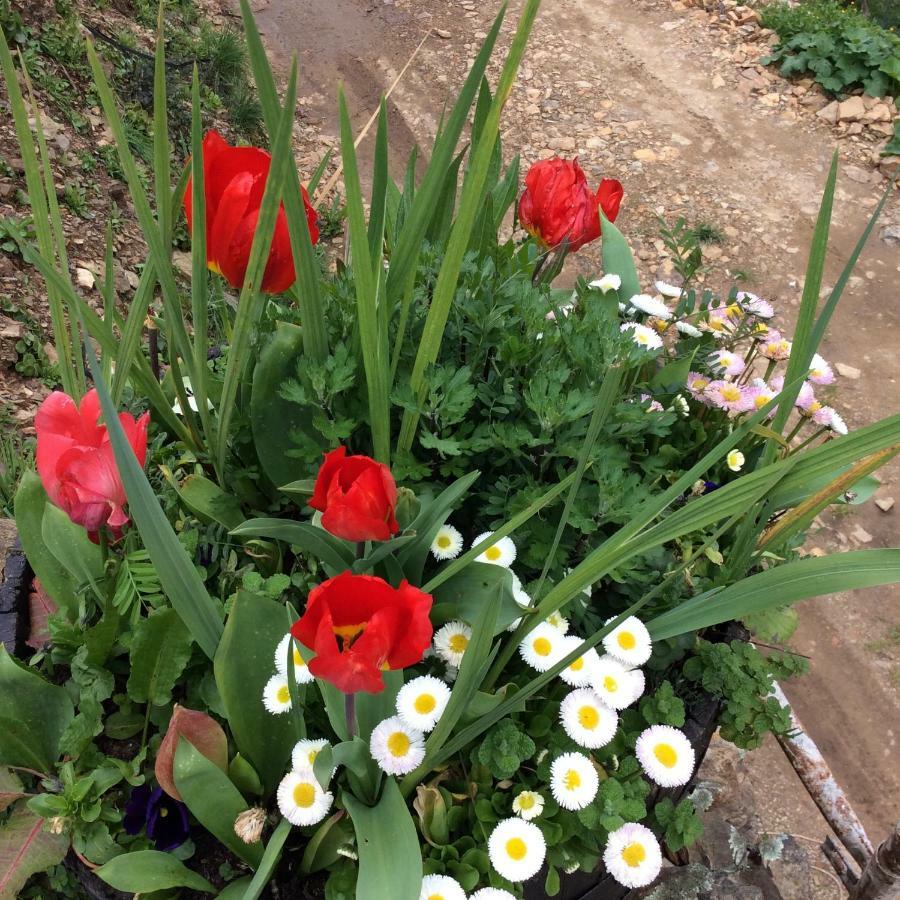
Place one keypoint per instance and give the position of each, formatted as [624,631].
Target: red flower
[357,497]
[557,203]
[359,626]
[235,178]
[76,462]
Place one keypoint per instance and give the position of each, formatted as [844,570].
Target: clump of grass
[706,233]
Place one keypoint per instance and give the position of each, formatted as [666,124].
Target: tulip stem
[350,713]
[104,545]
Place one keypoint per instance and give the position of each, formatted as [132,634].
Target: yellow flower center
[526,801]
[633,854]
[701,384]
[443,541]
[284,694]
[588,717]
[610,684]
[163,812]
[424,704]
[760,401]
[299,662]
[492,553]
[435,897]
[458,643]
[627,640]
[666,755]
[578,665]
[311,756]
[731,393]
[814,407]
[398,744]
[542,646]
[304,795]
[572,780]
[516,849]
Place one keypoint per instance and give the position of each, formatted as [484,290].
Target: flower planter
[700,725]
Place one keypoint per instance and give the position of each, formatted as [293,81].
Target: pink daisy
[819,371]
[774,346]
[730,363]
[755,305]
[696,385]
[727,395]
[655,405]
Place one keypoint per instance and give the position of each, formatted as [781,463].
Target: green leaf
[213,800]
[323,846]
[319,543]
[780,586]
[617,259]
[464,595]
[205,499]
[235,890]
[160,649]
[269,861]
[390,861]
[243,664]
[56,580]
[26,848]
[142,871]
[11,789]
[69,543]
[33,716]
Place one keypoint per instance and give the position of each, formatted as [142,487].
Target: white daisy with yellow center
[500,553]
[517,849]
[558,621]
[397,748]
[528,805]
[668,290]
[617,685]
[304,754]
[447,543]
[735,460]
[652,306]
[689,330]
[642,335]
[277,695]
[302,675]
[573,780]
[490,893]
[422,701]
[579,673]
[609,282]
[632,855]
[441,887]
[629,642]
[301,798]
[587,719]
[543,647]
[451,642]
[665,755]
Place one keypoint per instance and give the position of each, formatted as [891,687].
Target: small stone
[85,278]
[846,371]
[860,176]
[830,113]
[860,535]
[885,504]
[718,82]
[851,109]
[890,234]
[443,33]
[645,154]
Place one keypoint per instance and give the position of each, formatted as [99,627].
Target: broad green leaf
[142,871]
[160,649]
[235,890]
[243,664]
[33,716]
[11,789]
[323,846]
[213,800]
[323,546]
[784,584]
[390,861]
[56,580]
[180,580]
[206,500]
[69,543]
[464,595]
[617,258]
[26,847]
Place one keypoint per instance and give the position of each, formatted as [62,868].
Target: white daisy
[652,306]
[579,673]
[501,553]
[558,621]
[629,642]
[573,780]
[277,695]
[441,887]
[587,719]
[451,642]
[837,424]
[668,290]
[543,647]
[528,805]
[607,283]
[490,893]
[735,460]
[643,336]
[687,329]
[422,701]
[819,371]
[301,798]
[632,855]
[517,849]
[447,543]
[191,399]
[302,675]
[520,595]
[665,755]
[304,754]
[617,685]
[397,748]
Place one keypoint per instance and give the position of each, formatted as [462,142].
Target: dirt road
[650,95]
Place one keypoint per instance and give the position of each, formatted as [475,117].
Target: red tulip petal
[279,274]
[609,196]
[327,471]
[230,237]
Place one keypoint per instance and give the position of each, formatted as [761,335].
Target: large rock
[852,109]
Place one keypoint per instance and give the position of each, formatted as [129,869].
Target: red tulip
[76,463]
[357,497]
[359,627]
[235,178]
[558,204]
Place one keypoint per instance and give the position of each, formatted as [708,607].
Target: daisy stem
[770,368]
[350,713]
[809,440]
[795,431]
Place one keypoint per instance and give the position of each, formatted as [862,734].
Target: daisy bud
[248,826]
[57,825]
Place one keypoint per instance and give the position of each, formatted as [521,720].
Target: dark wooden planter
[700,725]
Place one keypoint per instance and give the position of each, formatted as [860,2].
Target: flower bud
[249,824]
